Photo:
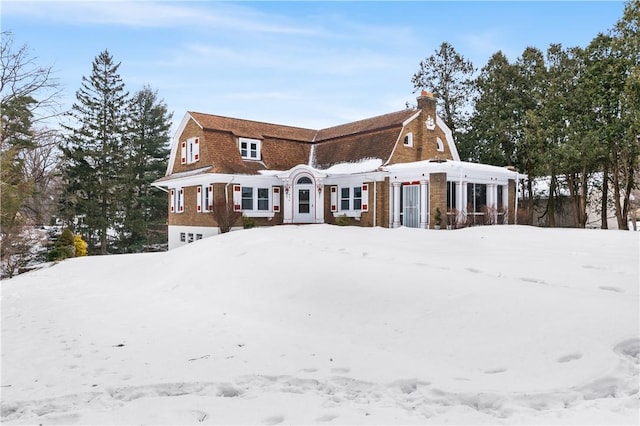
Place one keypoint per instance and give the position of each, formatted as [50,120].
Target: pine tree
[147,153]
[448,75]
[94,158]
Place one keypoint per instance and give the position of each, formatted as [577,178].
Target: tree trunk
[551,202]
[605,194]
[583,199]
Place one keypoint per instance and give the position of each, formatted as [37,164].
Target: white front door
[304,200]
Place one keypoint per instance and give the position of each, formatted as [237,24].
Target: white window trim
[249,141]
[202,205]
[179,200]
[408,140]
[351,212]
[439,144]
[255,212]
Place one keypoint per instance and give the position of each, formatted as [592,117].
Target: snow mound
[332,325]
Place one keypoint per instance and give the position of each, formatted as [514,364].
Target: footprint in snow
[495,371]
[610,288]
[340,370]
[273,420]
[570,357]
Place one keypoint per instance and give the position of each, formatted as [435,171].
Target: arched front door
[304,200]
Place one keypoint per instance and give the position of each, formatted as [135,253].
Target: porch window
[451,195]
[357,198]
[477,197]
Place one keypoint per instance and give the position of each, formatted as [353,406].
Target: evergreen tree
[147,151]
[449,76]
[94,158]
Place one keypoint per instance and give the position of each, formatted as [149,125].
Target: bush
[80,246]
[248,223]
[64,246]
[342,220]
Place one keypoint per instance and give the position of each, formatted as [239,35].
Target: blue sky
[308,64]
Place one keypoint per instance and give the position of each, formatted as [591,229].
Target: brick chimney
[427,102]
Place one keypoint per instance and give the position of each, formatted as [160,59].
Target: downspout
[375,201]
[226,191]
[515,217]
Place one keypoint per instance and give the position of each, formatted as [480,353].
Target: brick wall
[512,201]
[437,198]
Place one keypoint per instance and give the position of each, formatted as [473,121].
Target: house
[397,169]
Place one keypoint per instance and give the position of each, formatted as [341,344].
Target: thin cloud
[155,15]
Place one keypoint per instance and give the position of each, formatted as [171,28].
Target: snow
[322,324]
[363,166]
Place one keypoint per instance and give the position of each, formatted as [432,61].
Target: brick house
[393,170]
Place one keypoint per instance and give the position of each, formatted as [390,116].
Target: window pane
[304,180]
[303,195]
[247,198]
[357,198]
[344,192]
[263,199]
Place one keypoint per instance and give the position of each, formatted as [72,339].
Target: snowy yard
[332,325]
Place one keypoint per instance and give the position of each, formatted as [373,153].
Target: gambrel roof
[283,147]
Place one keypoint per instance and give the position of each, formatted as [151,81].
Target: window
[439,145]
[354,201]
[351,198]
[247,198]
[357,198]
[249,148]
[177,200]
[476,197]
[345,199]
[500,198]
[304,180]
[204,198]
[408,139]
[198,237]
[190,151]
[183,237]
[263,198]
[190,238]
[451,195]
[256,199]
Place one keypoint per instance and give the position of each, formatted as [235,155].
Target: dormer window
[249,148]
[408,139]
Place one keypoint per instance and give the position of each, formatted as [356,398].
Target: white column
[424,204]
[396,204]
[287,208]
[390,205]
[463,198]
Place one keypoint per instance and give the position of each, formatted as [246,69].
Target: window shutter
[172,200]
[237,198]
[199,199]
[276,198]
[365,197]
[183,152]
[196,149]
[210,207]
[181,198]
[334,198]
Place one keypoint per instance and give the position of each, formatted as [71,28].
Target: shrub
[248,223]
[343,220]
[80,246]
[64,246]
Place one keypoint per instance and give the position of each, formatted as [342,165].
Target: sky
[307,64]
